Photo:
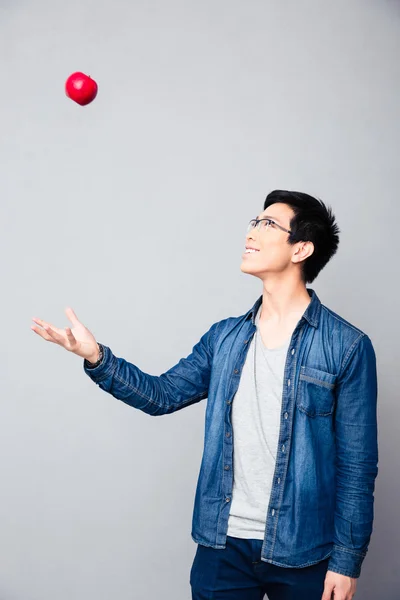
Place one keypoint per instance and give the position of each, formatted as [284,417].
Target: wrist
[94,358]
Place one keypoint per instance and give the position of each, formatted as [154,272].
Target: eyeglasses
[268,223]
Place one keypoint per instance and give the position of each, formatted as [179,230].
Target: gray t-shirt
[256,413]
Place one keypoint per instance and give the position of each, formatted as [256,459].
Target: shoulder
[350,339]
[233,327]
[330,316]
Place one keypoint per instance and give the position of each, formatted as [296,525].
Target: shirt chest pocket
[316,392]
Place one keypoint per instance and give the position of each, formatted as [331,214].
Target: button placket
[287,396]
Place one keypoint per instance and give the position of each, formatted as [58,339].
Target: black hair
[314,222]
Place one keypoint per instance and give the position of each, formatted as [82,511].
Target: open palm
[77,339]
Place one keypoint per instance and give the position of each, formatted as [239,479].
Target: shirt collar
[311,313]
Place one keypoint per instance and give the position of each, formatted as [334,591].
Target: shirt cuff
[103,369]
[345,561]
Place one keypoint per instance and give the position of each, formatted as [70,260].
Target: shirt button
[279,479]
[246,341]
[283,448]
[227,467]
[286,415]
[227,434]
[236,371]
[227,499]
[288,382]
[292,351]
[229,402]
[273,512]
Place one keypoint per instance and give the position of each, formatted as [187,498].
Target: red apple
[81,88]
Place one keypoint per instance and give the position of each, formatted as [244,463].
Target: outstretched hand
[76,339]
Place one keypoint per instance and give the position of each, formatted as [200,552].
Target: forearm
[128,383]
[182,385]
[354,514]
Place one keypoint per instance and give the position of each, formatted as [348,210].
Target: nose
[251,235]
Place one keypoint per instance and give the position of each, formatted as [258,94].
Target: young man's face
[273,253]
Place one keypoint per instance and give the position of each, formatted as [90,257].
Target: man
[284,501]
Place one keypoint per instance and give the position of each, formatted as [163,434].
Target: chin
[246,268]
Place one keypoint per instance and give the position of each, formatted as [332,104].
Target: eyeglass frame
[270,222]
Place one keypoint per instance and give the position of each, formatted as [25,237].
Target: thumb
[71,316]
[328,589]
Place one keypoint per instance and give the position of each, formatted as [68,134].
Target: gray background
[133,210]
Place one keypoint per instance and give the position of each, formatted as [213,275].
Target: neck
[283,301]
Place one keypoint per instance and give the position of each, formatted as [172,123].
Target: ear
[302,250]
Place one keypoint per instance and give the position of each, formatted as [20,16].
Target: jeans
[237,573]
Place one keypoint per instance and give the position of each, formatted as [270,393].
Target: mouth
[250,251]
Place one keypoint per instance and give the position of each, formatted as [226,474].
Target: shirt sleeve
[182,385]
[356,458]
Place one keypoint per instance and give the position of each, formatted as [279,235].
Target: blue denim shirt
[321,504]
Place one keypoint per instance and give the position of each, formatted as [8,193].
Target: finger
[70,337]
[327,595]
[71,316]
[43,334]
[55,336]
[45,324]
[40,321]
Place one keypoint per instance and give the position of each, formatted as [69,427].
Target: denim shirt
[322,497]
